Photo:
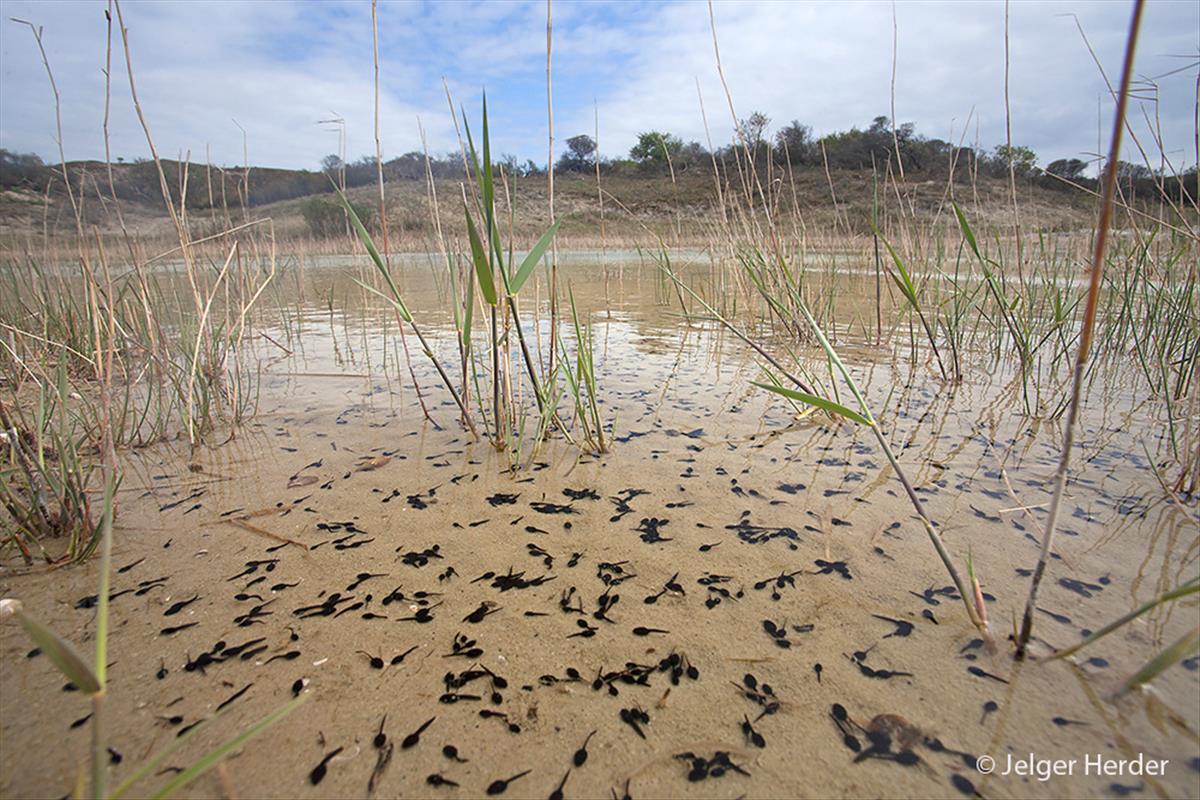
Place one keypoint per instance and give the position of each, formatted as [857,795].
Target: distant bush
[22,169]
[326,219]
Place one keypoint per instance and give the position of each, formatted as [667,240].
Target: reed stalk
[1095,274]
[550,186]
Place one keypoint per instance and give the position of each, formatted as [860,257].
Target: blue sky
[279,67]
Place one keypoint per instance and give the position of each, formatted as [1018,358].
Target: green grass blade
[106,521]
[801,410]
[532,259]
[1187,588]
[903,281]
[483,270]
[487,185]
[468,317]
[368,243]
[363,236]
[813,400]
[1182,648]
[61,653]
[395,301]
[966,230]
[150,764]
[213,757]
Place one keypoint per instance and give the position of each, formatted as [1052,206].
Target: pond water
[732,601]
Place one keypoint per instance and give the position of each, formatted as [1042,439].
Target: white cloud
[278,67]
[829,65]
[199,67]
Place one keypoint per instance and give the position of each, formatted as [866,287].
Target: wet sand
[728,582]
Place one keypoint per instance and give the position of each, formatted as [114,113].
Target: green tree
[21,169]
[881,126]
[794,143]
[581,150]
[1022,160]
[1129,172]
[754,129]
[1069,168]
[653,147]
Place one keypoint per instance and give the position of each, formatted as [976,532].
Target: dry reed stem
[599,191]
[1012,173]
[181,231]
[895,48]
[550,189]
[1089,323]
[378,143]
[37,37]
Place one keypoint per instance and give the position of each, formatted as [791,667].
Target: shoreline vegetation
[816,204]
[824,185]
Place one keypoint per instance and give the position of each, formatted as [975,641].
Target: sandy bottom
[729,603]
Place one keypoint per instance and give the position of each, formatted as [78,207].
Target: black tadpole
[903,627]
[557,794]
[375,661]
[381,737]
[318,773]
[581,755]
[177,607]
[451,752]
[478,615]
[399,659]
[413,738]
[632,717]
[752,735]
[644,631]
[981,673]
[500,786]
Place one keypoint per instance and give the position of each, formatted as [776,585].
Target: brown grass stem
[1096,272]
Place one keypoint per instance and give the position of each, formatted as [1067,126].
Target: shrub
[326,219]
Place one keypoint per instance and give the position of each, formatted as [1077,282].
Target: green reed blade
[483,270]
[104,530]
[487,184]
[903,280]
[1187,588]
[213,757]
[968,234]
[1183,647]
[531,260]
[820,402]
[468,318]
[395,301]
[61,653]
[368,243]
[151,763]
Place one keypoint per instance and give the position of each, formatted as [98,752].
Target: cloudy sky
[278,68]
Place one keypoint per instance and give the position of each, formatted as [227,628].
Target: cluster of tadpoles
[886,737]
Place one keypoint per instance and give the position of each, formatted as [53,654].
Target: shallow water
[777,550]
